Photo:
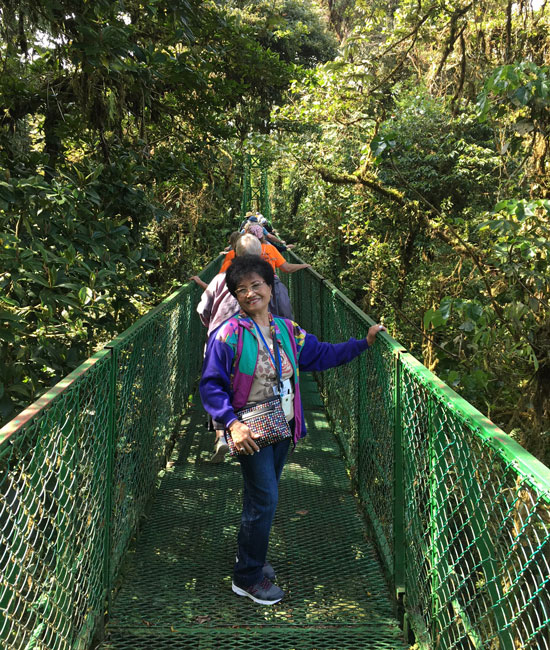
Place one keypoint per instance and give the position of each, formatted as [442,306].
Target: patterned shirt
[265,377]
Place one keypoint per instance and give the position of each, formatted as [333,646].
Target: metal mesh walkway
[177,587]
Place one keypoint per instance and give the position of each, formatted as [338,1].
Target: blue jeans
[261,472]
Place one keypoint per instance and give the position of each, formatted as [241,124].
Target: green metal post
[433,528]
[255,186]
[264,194]
[399,547]
[362,427]
[246,195]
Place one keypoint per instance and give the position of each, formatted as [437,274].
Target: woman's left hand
[373,331]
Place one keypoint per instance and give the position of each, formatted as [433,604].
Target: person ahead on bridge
[240,370]
[217,304]
[269,253]
[280,245]
[280,300]
[268,232]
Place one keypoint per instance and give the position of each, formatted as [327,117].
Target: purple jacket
[231,358]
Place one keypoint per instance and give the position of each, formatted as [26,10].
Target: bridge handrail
[78,467]
[459,510]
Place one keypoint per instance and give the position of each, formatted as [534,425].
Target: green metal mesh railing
[77,469]
[477,513]
[460,512]
[361,403]
[54,485]
[156,364]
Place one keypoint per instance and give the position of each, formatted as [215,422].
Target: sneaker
[220,449]
[269,572]
[264,592]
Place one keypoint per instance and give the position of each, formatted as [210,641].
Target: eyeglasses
[244,291]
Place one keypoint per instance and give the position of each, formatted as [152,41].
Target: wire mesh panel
[358,397]
[478,525]
[77,469]
[157,362]
[53,487]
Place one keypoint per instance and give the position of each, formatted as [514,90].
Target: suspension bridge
[405,515]
[406,518]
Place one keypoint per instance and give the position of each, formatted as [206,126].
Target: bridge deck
[177,587]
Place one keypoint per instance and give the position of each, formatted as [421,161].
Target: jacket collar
[248,324]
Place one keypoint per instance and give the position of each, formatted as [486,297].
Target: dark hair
[246,265]
[233,237]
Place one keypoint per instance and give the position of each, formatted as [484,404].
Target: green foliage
[418,181]
[121,133]
[435,157]
[294,30]
[74,271]
[518,85]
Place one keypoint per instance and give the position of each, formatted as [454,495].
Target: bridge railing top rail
[525,463]
[493,436]
[37,407]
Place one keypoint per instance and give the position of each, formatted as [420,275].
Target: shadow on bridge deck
[177,587]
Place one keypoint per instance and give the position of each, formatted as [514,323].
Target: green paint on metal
[510,450]
[255,192]
[398,487]
[458,513]
[110,487]
[434,556]
[48,397]
[476,527]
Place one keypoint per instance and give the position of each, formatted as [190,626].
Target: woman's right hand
[242,437]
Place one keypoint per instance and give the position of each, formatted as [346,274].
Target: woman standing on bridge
[249,359]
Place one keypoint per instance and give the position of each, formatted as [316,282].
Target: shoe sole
[242,592]
[219,454]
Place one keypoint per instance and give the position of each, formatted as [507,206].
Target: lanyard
[277,365]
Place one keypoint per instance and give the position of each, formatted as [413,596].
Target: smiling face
[253,295]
